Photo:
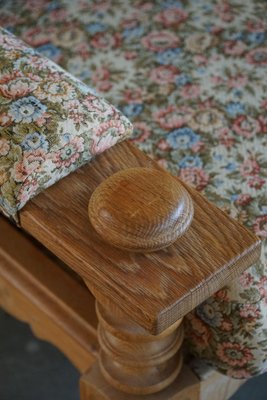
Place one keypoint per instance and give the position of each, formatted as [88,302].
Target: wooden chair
[150,253]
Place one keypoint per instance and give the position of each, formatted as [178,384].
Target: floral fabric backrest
[50,124]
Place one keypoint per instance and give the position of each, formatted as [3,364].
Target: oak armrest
[155,289]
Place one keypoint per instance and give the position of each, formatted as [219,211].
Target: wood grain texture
[34,289]
[134,361]
[140,209]
[155,289]
[94,387]
[188,386]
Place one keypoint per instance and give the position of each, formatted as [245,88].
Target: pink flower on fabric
[263,123]
[243,199]
[250,312]
[234,354]
[106,40]
[199,333]
[224,11]
[101,74]
[69,153]
[35,36]
[190,91]
[31,162]
[196,177]
[58,15]
[262,287]
[5,119]
[106,135]
[38,4]
[83,50]
[163,145]
[4,147]
[257,56]
[9,77]
[101,144]
[225,138]
[27,190]
[246,280]
[256,182]
[142,131]
[260,226]
[246,126]
[109,127]
[172,116]
[101,5]
[171,17]
[164,74]
[256,25]
[104,86]
[160,41]
[130,55]
[133,95]
[226,325]
[17,88]
[217,80]
[249,167]
[234,48]
[237,81]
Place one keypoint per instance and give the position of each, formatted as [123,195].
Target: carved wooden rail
[143,288]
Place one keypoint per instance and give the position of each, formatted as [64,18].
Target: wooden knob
[140,209]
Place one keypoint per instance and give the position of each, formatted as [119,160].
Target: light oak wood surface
[154,289]
[36,290]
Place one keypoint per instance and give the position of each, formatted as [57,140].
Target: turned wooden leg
[134,361]
[134,364]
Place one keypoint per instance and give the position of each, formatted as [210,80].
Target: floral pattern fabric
[50,123]
[191,75]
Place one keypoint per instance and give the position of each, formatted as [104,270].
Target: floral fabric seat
[191,76]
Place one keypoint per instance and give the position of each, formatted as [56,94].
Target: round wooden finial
[140,209]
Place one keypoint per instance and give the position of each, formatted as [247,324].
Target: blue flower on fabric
[26,110]
[256,37]
[182,138]
[34,141]
[168,56]
[234,197]
[132,110]
[171,4]
[231,166]
[237,36]
[190,162]
[49,50]
[182,80]
[133,33]
[235,108]
[95,27]
[209,313]
[53,5]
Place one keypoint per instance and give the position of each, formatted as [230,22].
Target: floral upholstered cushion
[50,123]
[192,76]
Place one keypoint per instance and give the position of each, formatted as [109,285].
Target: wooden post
[140,210]
[134,361]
